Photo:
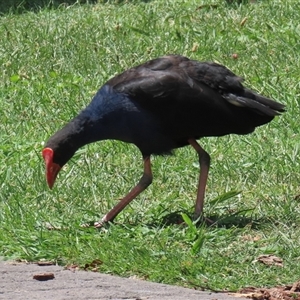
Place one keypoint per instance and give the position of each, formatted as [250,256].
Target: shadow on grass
[227,221]
[238,2]
[22,6]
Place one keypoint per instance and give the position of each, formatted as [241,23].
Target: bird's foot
[201,219]
[87,225]
[102,224]
[99,224]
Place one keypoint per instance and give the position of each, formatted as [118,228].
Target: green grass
[53,61]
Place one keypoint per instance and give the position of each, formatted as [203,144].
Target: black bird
[161,105]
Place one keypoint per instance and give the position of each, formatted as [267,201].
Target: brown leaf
[72,267]
[43,276]
[249,237]
[244,21]
[195,47]
[295,287]
[94,265]
[270,260]
[45,263]
[287,292]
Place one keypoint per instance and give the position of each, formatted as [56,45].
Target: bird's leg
[144,182]
[204,161]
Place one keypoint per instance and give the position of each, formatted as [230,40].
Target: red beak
[52,168]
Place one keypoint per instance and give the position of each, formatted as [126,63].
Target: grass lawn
[54,60]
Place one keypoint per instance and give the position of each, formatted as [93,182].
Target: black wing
[171,79]
[155,79]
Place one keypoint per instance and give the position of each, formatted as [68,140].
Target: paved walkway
[16,282]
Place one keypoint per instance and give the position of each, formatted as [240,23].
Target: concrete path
[16,282]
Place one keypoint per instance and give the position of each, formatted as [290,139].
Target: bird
[161,105]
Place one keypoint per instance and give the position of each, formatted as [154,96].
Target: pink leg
[204,161]
[144,182]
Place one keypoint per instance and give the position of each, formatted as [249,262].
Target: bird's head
[52,168]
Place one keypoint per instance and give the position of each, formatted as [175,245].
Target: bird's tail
[256,102]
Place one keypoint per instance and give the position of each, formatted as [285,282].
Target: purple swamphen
[161,105]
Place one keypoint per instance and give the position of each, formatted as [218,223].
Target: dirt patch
[287,292]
